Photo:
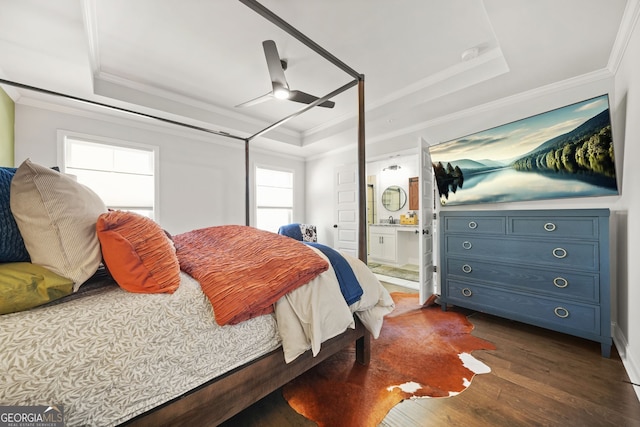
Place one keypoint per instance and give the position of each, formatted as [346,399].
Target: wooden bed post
[362,183]
[363,344]
[247,215]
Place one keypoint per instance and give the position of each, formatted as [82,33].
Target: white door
[346,212]
[427,281]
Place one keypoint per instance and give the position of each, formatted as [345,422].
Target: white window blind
[124,177]
[274,198]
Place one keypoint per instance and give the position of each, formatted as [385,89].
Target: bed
[119,333]
[54,253]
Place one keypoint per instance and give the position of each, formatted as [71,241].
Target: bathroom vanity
[394,244]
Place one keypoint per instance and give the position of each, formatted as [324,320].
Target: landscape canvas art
[567,152]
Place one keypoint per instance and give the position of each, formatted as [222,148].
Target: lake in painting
[566,152]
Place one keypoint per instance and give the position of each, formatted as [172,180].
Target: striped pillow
[57,219]
[138,253]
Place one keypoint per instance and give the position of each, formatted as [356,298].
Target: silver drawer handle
[559,253]
[560,282]
[561,312]
[467,292]
[473,225]
[549,226]
[466,244]
[466,268]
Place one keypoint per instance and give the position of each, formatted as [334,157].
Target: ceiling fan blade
[276,72]
[279,82]
[305,98]
[255,101]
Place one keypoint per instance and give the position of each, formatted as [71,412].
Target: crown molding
[90,20]
[128,120]
[157,100]
[503,103]
[115,87]
[489,64]
[177,98]
[625,31]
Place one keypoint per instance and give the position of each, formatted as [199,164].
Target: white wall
[320,199]
[627,107]
[320,173]
[202,176]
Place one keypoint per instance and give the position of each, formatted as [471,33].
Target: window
[124,176]
[274,198]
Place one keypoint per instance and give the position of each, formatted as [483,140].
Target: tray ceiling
[196,60]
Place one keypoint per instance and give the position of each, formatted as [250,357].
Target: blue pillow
[12,247]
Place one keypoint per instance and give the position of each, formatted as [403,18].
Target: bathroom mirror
[394,198]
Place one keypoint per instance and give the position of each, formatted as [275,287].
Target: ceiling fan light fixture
[281,92]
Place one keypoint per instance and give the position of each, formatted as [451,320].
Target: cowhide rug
[421,352]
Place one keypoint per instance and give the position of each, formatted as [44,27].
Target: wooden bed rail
[221,398]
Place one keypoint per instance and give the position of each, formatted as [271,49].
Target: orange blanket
[243,270]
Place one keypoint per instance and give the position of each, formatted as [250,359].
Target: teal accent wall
[7,120]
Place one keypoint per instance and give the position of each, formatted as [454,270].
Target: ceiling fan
[279,83]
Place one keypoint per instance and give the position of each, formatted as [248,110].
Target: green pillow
[24,285]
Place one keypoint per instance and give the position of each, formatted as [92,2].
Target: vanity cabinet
[382,243]
[548,268]
[394,244]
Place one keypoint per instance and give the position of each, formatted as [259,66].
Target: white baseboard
[629,360]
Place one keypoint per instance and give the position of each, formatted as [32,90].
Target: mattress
[158,347]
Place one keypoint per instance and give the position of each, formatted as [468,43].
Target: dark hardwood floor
[538,378]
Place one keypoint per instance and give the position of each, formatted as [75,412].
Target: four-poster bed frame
[222,397]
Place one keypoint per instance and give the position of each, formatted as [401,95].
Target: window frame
[62,136]
[255,189]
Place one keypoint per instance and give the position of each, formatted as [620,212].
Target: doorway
[392,220]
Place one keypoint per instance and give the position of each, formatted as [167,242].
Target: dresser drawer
[565,254]
[559,315]
[555,283]
[572,227]
[475,225]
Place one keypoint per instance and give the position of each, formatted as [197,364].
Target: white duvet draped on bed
[110,355]
[311,314]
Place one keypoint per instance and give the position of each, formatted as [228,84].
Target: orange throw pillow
[138,253]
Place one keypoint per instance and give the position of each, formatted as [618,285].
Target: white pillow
[57,219]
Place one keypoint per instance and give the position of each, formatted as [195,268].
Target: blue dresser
[548,268]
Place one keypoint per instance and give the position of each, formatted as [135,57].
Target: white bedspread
[317,312]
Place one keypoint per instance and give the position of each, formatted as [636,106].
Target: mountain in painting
[587,149]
